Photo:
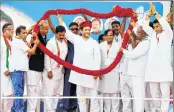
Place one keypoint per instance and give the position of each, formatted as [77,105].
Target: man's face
[109,36]
[140,33]
[157,27]
[86,31]
[60,35]
[44,29]
[116,28]
[96,26]
[169,18]
[74,29]
[23,34]
[9,31]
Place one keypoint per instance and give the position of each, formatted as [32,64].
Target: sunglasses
[74,29]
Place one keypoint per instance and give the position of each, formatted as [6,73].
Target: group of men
[146,63]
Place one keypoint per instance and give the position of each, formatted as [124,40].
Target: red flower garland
[117,11]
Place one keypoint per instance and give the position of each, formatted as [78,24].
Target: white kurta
[126,61]
[136,68]
[54,86]
[137,58]
[87,56]
[111,78]
[6,84]
[118,39]
[159,67]
[19,59]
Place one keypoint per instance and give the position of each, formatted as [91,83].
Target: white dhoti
[109,87]
[111,104]
[34,79]
[53,88]
[84,103]
[148,103]
[138,89]
[100,101]
[132,86]
[165,94]
[126,92]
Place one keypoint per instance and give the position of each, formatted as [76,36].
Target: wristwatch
[155,13]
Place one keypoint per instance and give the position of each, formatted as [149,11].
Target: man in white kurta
[159,72]
[87,56]
[6,84]
[136,68]
[125,83]
[109,84]
[53,78]
[18,65]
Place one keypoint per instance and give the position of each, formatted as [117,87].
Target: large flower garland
[117,11]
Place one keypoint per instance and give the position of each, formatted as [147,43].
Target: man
[118,29]
[96,25]
[169,19]
[137,59]
[101,38]
[36,66]
[6,84]
[53,78]
[119,34]
[87,56]
[125,79]
[108,22]
[18,65]
[109,50]
[159,74]
[69,88]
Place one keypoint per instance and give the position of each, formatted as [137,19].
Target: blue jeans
[17,78]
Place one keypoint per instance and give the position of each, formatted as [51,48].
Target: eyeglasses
[74,29]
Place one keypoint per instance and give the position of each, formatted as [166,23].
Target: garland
[117,11]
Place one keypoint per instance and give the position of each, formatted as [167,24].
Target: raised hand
[152,9]
[37,41]
[132,23]
[59,17]
[129,32]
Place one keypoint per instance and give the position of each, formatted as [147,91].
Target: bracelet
[155,13]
